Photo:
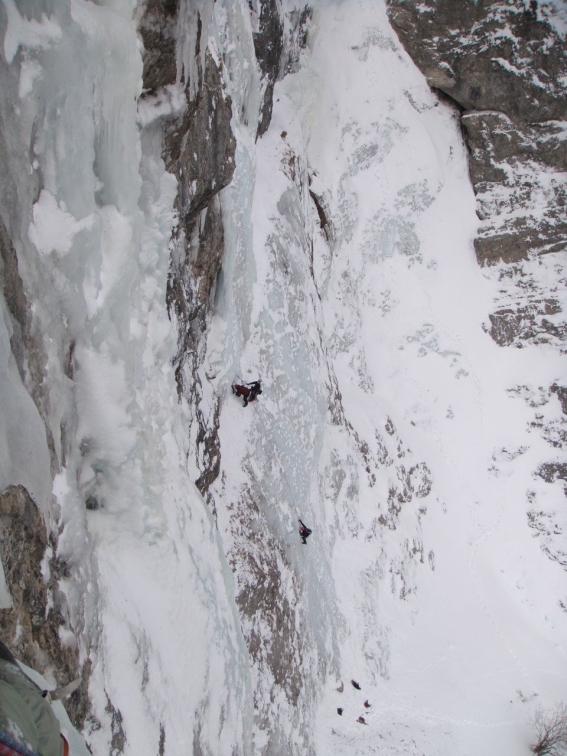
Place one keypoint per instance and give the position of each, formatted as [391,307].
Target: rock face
[486,55]
[199,149]
[504,66]
[268,45]
[157,29]
[521,195]
[35,625]
[277,44]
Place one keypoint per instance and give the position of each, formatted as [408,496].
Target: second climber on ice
[304,532]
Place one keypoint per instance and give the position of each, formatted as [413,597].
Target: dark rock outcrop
[486,55]
[157,29]
[278,44]
[552,471]
[200,146]
[199,149]
[34,626]
[268,45]
[268,610]
[516,170]
[561,392]
[26,345]
[505,67]
[515,326]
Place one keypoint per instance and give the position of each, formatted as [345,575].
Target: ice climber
[304,532]
[361,720]
[248,391]
[340,711]
[366,704]
[353,682]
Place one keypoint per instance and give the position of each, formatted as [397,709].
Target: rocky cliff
[504,67]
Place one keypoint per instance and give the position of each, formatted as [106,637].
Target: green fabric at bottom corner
[25,715]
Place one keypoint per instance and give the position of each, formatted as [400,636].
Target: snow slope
[444,607]
[478,636]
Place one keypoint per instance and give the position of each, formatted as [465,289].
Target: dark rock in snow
[32,626]
[561,392]
[268,45]
[486,55]
[552,471]
[278,44]
[268,610]
[514,326]
[118,739]
[504,65]
[514,169]
[200,146]
[157,29]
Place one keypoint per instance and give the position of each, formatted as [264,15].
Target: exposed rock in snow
[518,173]
[200,151]
[158,30]
[487,55]
[199,147]
[36,627]
[268,45]
[278,43]
[505,66]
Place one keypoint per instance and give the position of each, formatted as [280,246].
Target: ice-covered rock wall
[93,428]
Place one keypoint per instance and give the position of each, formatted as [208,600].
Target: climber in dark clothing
[255,389]
[304,532]
[355,684]
[248,391]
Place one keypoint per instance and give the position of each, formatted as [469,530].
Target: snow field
[405,308]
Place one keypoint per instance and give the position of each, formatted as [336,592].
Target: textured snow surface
[390,421]
[477,642]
